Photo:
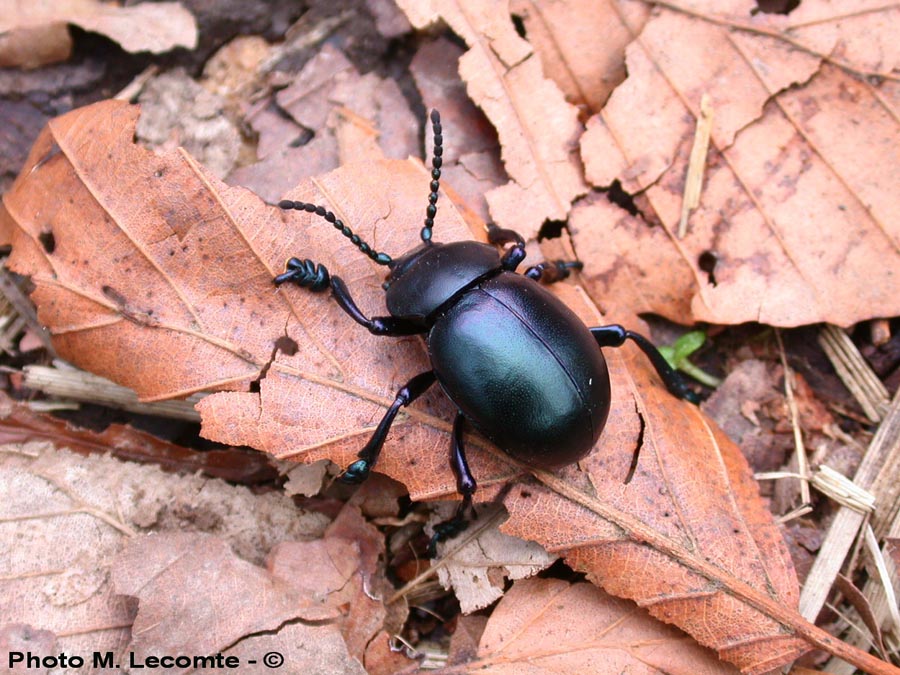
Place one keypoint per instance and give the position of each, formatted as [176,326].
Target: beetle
[519,365]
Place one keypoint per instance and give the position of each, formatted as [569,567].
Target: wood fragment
[854,372]
[880,464]
[885,526]
[799,449]
[71,383]
[693,182]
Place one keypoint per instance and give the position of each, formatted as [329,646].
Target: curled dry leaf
[353,118]
[538,130]
[145,27]
[20,424]
[798,200]
[172,293]
[471,165]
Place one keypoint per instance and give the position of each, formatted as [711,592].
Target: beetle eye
[386,285]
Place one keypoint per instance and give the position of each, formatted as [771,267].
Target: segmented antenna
[321,211]
[436,162]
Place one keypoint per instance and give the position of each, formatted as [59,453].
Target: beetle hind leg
[465,485]
[615,335]
[359,470]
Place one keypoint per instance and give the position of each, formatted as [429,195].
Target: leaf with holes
[797,216]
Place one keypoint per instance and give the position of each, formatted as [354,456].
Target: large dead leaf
[549,626]
[171,292]
[316,604]
[537,128]
[797,218]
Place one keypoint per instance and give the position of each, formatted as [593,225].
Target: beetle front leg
[551,271]
[615,336]
[377,325]
[307,274]
[465,485]
[359,470]
[546,272]
[514,256]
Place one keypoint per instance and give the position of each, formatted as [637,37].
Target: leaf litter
[618,542]
[365,375]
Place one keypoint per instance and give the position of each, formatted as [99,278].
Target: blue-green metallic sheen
[523,369]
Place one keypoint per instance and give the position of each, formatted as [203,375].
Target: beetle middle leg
[615,335]
[359,470]
[465,485]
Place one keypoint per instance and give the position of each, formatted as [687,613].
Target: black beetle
[517,363]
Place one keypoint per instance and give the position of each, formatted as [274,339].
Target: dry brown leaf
[859,37]
[478,569]
[581,43]
[797,201]
[353,118]
[145,27]
[70,515]
[550,626]
[158,225]
[688,536]
[538,130]
[35,46]
[195,596]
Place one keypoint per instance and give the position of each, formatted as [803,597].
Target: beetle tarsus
[355,473]
[450,528]
[306,274]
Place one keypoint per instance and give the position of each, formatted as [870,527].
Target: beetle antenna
[322,212]
[435,176]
